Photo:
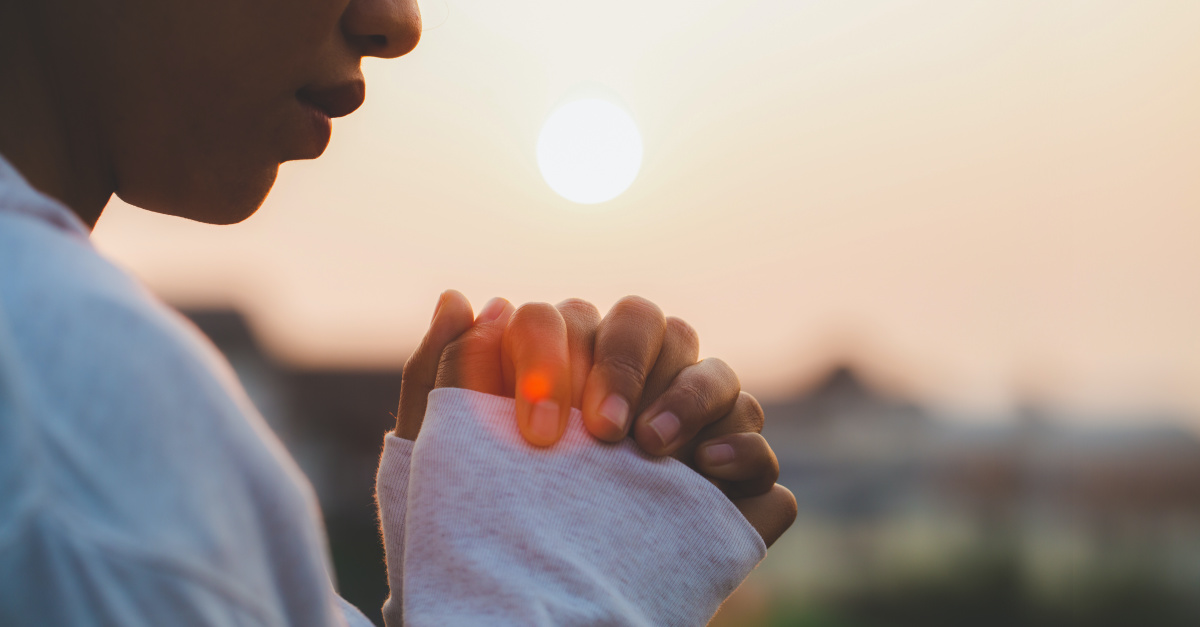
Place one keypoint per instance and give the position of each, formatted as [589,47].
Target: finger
[747,417]
[582,319]
[535,345]
[680,349]
[627,343]
[770,514]
[743,461]
[701,395]
[451,318]
[472,361]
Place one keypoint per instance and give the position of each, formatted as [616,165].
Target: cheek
[201,125]
[198,159]
[240,96]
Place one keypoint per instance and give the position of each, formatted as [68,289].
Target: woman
[138,485]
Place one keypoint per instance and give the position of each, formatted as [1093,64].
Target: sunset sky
[977,201]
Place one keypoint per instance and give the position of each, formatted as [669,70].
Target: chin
[214,200]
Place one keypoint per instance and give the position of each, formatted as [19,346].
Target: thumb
[451,318]
[770,514]
[472,361]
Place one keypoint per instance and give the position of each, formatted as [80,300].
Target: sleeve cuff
[578,533]
[391,495]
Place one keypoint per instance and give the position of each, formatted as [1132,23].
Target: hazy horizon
[980,203]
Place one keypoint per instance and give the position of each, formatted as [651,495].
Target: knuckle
[626,368]
[790,508]
[534,310]
[638,307]
[752,410]
[410,371]
[768,462]
[682,332]
[693,395]
[534,317]
[581,317]
[722,370]
[454,351]
[580,306]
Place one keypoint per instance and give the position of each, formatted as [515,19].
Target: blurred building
[851,453]
[913,517]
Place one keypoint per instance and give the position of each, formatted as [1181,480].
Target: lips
[320,104]
[336,101]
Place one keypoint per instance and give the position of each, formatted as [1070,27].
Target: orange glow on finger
[535,386]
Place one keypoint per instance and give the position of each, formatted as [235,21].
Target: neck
[46,130]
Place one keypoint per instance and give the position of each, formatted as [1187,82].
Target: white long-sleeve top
[139,486]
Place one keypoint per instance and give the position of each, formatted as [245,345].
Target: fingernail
[491,310]
[615,410]
[543,421]
[441,299]
[718,454]
[666,425]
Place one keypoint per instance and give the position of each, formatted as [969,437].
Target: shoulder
[120,409]
[85,334]
[126,441]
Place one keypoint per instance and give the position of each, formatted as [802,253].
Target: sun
[589,151]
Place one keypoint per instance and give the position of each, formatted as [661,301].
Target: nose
[382,28]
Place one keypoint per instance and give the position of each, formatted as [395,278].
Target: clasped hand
[633,372]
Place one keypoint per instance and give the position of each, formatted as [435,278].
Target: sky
[976,202]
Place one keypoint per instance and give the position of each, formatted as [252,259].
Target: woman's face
[195,103]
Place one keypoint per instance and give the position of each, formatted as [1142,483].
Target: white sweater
[139,486]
